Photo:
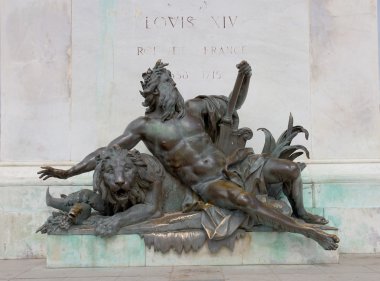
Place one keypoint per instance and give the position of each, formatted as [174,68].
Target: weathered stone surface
[35,80]
[359,228]
[332,91]
[105,41]
[129,250]
[92,251]
[18,237]
[114,41]
[23,199]
[351,195]
[344,79]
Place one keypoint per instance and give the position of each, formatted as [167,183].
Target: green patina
[93,251]
[307,195]
[105,67]
[316,211]
[335,195]
[129,250]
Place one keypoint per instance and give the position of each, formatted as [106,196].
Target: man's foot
[314,219]
[327,241]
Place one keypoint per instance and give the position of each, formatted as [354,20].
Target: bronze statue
[185,137]
[128,187]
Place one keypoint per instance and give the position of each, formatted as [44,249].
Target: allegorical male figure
[178,134]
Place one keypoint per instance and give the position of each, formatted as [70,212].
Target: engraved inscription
[224,50]
[146,51]
[225,21]
[205,50]
[183,22]
[212,75]
[171,22]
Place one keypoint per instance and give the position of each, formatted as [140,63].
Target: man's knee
[293,170]
[282,169]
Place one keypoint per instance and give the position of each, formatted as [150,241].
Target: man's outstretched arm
[128,140]
[86,165]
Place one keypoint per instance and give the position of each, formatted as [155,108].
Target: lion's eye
[109,170]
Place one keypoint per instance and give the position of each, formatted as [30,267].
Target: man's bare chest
[167,135]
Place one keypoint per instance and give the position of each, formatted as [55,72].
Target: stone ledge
[129,250]
[315,173]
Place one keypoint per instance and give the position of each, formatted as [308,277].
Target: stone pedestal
[69,81]
[130,250]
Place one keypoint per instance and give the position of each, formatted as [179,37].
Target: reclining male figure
[175,133]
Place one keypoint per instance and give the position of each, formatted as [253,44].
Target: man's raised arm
[245,69]
[128,140]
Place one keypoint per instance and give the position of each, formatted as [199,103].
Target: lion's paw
[107,227]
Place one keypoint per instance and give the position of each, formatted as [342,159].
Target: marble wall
[70,70]
[69,83]
[35,80]
[344,86]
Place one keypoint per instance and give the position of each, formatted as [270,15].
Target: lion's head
[121,178]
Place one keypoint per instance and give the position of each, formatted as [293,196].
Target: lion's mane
[143,182]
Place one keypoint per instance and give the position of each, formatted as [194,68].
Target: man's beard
[169,102]
[150,101]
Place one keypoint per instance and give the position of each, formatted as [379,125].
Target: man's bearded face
[151,82]
[153,78]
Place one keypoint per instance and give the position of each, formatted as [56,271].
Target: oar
[225,141]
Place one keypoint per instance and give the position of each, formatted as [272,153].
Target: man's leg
[228,195]
[288,173]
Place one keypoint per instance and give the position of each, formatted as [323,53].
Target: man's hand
[244,68]
[49,172]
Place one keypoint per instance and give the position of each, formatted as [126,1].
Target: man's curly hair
[159,81]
